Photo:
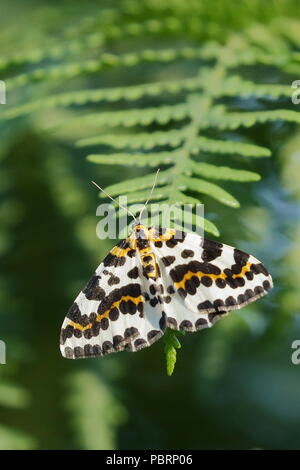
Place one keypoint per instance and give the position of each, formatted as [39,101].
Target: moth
[159,278]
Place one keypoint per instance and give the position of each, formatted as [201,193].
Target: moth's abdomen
[149,263]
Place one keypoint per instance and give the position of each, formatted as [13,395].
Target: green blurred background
[234,386]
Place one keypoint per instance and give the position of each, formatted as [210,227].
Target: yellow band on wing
[119,252]
[167,235]
[222,275]
[135,300]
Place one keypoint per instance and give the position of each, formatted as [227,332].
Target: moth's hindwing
[113,312]
[203,280]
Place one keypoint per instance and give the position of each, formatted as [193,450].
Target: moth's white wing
[203,280]
[113,312]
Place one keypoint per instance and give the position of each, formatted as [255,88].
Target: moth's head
[140,231]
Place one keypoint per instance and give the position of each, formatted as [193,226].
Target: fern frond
[210,171]
[171,345]
[55,52]
[167,122]
[135,159]
[130,59]
[137,184]
[248,119]
[210,189]
[227,146]
[134,117]
[143,141]
[237,87]
[80,98]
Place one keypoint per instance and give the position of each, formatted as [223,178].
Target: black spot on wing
[113,260]
[154,301]
[96,350]
[195,266]
[131,333]
[88,333]
[240,257]
[168,260]
[206,305]
[258,290]
[114,314]
[170,290]
[206,281]
[66,333]
[84,320]
[182,292]
[74,313]
[92,290]
[92,317]
[258,268]
[230,301]
[235,282]
[186,325]
[68,352]
[113,280]
[187,253]
[127,306]
[96,328]
[221,283]
[218,303]
[104,323]
[140,343]
[172,323]
[133,273]
[107,347]
[191,285]
[153,335]
[201,323]
[266,285]
[118,342]
[88,350]
[78,352]
[171,243]
[77,333]
[211,250]
[131,253]
[158,244]
[153,289]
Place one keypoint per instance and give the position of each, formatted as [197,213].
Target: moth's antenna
[120,205]
[149,197]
